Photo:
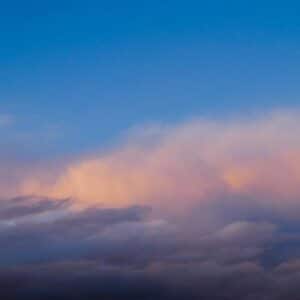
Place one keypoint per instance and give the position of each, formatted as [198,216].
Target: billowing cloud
[201,210]
[255,161]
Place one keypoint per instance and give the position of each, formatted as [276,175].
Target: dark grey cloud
[49,250]
[19,207]
[42,230]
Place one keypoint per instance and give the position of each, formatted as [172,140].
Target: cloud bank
[197,162]
[200,210]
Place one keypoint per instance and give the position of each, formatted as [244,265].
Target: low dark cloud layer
[49,250]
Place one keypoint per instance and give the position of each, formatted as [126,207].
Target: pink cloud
[189,164]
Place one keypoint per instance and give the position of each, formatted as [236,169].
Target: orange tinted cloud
[189,164]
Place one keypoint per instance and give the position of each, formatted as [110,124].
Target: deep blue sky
[75,75]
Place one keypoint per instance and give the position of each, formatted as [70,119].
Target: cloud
[25,207]
[53,251]
[255,162]
[54,231]
[200,210]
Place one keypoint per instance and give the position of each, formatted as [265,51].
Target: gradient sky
[76,74]
[149,150]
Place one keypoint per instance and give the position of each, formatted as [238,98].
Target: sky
[149,150]
[78,74]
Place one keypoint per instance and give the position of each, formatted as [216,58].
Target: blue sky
[76,75]
[206,207]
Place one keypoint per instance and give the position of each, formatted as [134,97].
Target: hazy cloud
[252,162]
[202,210]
